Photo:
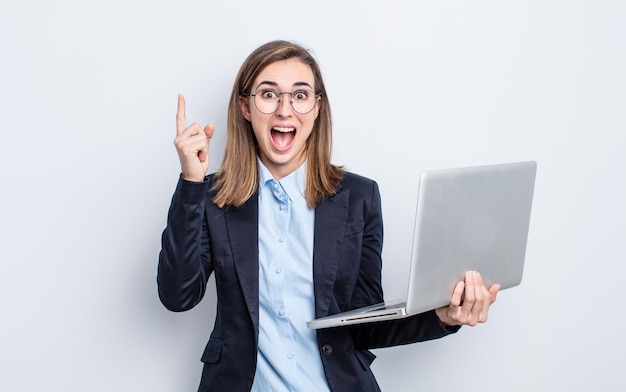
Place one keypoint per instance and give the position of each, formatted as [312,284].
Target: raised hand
[192,145]
[470,302]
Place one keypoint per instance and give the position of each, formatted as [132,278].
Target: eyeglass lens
[268,101]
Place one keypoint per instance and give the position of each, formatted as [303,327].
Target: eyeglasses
[267,101]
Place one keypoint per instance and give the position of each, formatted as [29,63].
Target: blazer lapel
[243,234]
[330,220]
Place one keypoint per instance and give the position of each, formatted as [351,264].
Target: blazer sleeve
[418,328]
[184,261]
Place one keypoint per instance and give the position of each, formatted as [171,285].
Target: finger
[457,294]
[203,154]
[493,290]
[473,305]
[190,132]
[181,120]
[480,290]
[470,292]
[190,142]
[485,298]
[485,301]
[189,136]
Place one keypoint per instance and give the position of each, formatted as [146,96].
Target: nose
[284,106]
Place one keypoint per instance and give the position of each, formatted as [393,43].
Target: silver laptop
[473,218]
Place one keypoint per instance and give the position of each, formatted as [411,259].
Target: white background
[87,104]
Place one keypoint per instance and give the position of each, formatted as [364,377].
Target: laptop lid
[474,218]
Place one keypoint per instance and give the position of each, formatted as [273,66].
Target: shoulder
[355,182]
[362,200]
[360,189]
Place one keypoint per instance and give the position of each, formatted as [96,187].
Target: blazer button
[327,349]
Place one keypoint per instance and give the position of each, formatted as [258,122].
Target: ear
[244,105]
[318,105]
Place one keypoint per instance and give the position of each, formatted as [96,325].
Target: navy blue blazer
[201,239]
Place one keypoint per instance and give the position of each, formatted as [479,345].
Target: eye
[268,94]
[301,95]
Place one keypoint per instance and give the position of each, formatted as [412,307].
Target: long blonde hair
[238,177]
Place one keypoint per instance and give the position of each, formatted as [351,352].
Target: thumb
[208,130]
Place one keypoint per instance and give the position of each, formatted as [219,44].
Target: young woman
[290,237]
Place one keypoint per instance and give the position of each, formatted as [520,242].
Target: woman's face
[282,135]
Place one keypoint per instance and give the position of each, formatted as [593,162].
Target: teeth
[284,130]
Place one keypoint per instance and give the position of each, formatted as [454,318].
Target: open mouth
[283,137]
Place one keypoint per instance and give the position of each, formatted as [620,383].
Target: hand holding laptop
[470,302]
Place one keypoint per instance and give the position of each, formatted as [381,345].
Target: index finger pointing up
[181,120]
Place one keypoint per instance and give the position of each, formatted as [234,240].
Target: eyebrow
[274,84]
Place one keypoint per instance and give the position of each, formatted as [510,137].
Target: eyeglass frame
[316,95]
